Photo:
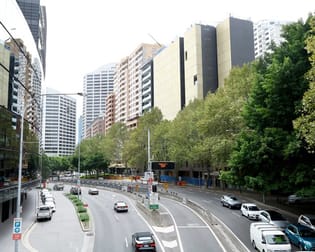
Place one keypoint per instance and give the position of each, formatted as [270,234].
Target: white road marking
[168,229]
[126,241]
[189,226]
[181,249]
[170,244]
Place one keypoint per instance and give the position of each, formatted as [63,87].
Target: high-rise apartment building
[127,90]
[97,86]
[266,32]
[59,124]
[235,45]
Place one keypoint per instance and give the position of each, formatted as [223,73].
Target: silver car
[230,201]
[43,212]
[274,217]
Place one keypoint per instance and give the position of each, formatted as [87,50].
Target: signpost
[17,229]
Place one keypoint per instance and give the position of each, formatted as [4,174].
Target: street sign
[17,229]
[162,165]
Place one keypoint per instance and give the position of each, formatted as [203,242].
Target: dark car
[230,201]
[75,190]
[301,236]
[143,241]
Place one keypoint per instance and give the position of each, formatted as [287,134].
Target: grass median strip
[80,209]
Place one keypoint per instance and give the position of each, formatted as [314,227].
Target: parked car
[43,212]
[75,190]
[143,241]
[121,206]
[301,236]
[58,187]
[93,191]
[307,220]
[299,199]
[230,201]
[273,217]
[250,210]
[268,237]
[52,206]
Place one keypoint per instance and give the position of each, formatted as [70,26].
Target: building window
[195,80]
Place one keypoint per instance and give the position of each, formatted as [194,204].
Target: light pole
[18,207]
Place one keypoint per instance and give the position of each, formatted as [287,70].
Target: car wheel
[230,206]
[301,247]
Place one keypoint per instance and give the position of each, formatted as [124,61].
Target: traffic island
[82,212]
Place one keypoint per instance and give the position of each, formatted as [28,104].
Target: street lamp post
[18,207]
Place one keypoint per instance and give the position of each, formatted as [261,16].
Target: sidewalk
[63,233]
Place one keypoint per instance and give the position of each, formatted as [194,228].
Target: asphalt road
[113,230]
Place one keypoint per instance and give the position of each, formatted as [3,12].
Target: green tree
[267,153]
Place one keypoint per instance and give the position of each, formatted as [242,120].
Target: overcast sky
[86,34]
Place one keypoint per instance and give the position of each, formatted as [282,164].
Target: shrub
[78,203]
[84,217]
[81,209]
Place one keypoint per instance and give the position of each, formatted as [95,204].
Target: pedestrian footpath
[63,233]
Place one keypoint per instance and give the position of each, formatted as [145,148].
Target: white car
[307,220]
[250,210]
[43,212]
[52,205]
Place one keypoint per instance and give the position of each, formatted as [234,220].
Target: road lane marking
[165,230]
[189,226]
[176,229]
[126,242]
[170,244]
[25,238]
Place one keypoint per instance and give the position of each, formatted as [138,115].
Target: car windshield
[276,239]
[307,233]
[233,198]
[276,216]
[253,208]
[145,238]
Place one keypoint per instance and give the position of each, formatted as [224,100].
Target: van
[268,237]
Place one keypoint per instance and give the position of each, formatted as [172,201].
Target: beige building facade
[200,62]
[168,79]
[235,45]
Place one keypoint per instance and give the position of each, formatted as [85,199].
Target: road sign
[162,165]
[17,229]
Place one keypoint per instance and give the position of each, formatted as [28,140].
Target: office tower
[200,60]
[169,79]
[59,124]
[35,16]
[266,31]
[235,45]
[97,86]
